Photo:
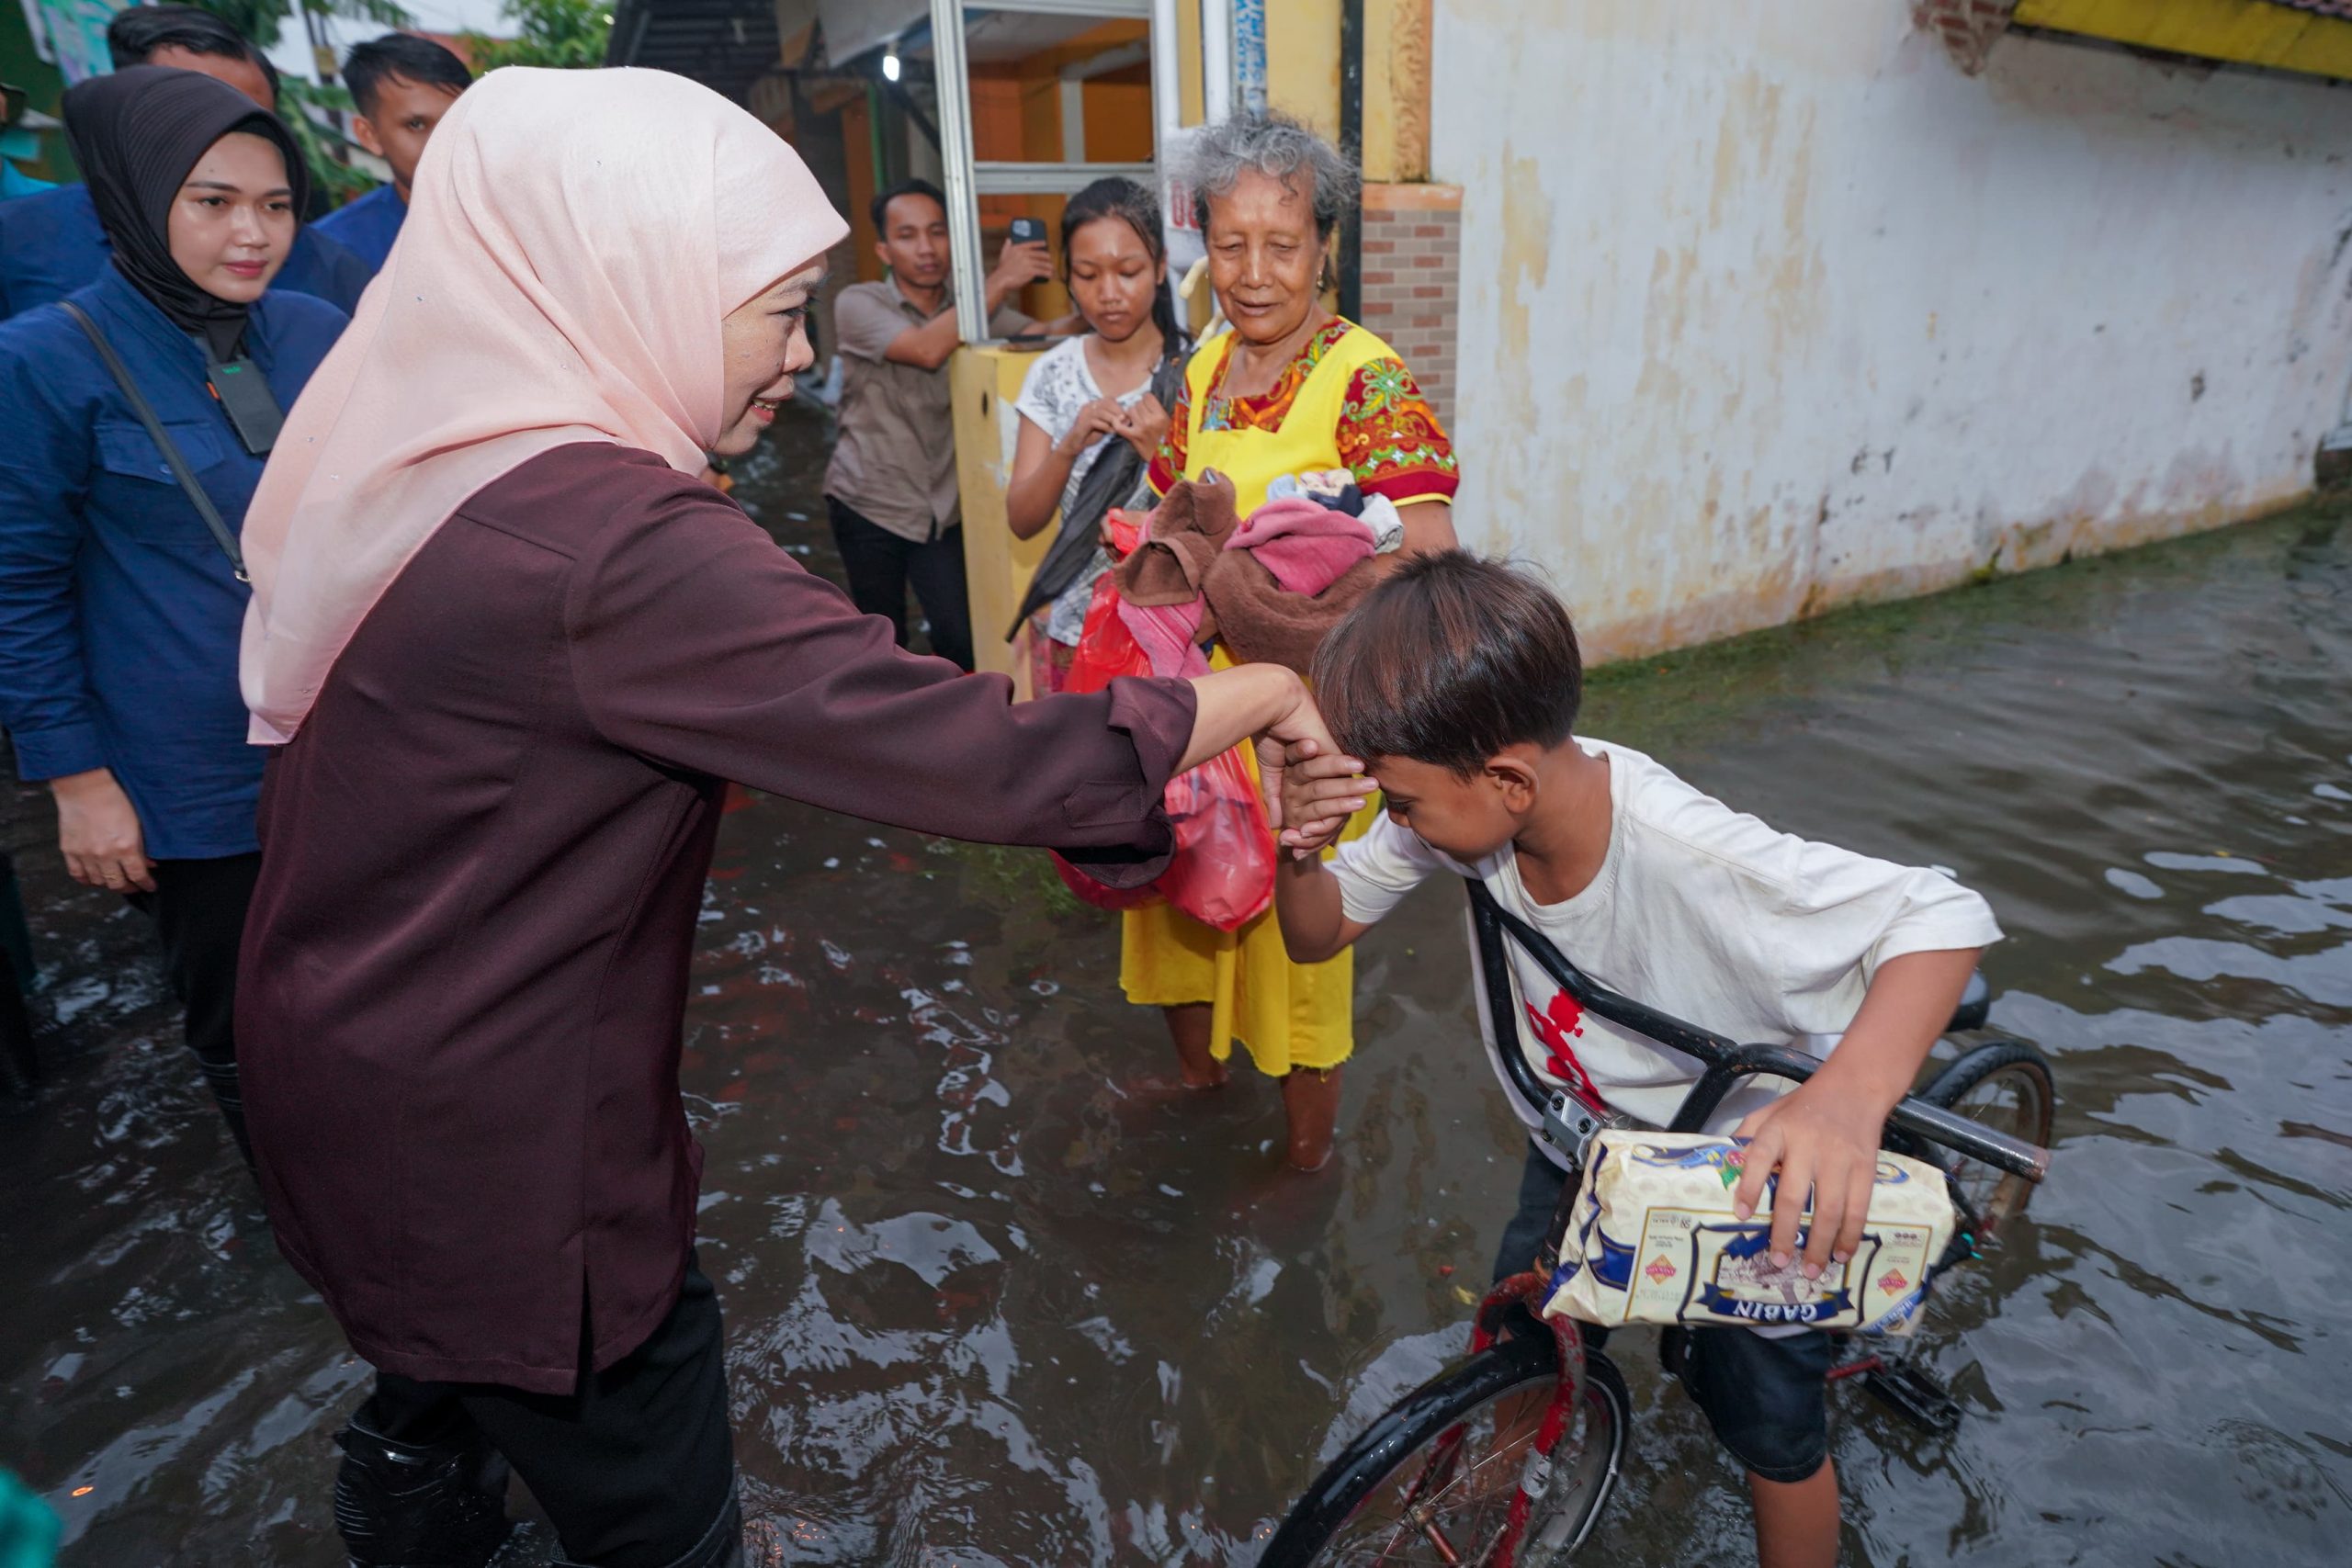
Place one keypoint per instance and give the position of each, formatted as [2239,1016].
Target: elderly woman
[1293,388]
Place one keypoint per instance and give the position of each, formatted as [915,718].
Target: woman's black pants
[198,907]
[636,1468]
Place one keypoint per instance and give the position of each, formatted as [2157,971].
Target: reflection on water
[998,1291]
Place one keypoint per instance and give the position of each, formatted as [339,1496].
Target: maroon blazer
[482,856]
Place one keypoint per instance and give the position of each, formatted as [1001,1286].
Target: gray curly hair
[1279,147]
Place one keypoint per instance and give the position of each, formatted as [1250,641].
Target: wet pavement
[999,1293]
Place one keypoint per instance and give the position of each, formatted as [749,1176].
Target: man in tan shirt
[891,485]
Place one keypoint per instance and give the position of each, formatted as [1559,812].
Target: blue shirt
[52,243]
[367,227]
[14,182]
[119,614]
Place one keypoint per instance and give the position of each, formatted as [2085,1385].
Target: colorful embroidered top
[1346,402]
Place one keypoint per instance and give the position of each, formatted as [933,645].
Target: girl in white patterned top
[1088,392]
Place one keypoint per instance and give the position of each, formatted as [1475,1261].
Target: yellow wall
[1188,63]
[1118,116]
[984,382]
[1303,76]
[2247,31]
[1302,60]
[1379,150]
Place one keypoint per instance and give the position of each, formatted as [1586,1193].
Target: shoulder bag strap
[180,470]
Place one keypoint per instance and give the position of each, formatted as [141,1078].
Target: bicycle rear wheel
[2005,1085]
[1433,1481]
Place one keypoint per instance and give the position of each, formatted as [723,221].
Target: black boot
[419,1505]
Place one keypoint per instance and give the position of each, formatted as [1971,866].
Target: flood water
[998,1293]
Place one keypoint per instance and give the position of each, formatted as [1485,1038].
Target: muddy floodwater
[999,1293]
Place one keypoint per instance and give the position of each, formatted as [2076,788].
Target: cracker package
[1654,1240]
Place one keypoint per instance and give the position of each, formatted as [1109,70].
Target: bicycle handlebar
[1725,1061]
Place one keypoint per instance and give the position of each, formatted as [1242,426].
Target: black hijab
[136,134]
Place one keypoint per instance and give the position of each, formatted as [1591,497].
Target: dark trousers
[881,567]
[198,907]
[634,1468]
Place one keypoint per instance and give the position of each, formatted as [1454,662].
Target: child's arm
[1825,1136]
[1321,788]
[1307,902]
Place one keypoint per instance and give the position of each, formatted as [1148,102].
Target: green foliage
[562,34]
[264,21]
[341,182]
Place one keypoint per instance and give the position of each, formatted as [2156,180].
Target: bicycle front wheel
[1437,1479]
[2005,1085]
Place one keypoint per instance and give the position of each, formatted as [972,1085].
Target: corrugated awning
[727,45]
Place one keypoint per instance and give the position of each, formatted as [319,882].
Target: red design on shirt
[1553,1028]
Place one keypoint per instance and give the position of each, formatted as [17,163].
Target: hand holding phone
[1024,259]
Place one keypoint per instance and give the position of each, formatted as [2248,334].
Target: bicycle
[1507,1460]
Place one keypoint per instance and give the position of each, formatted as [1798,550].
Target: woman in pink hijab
[507,647]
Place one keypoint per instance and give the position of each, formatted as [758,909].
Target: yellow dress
[1346,403]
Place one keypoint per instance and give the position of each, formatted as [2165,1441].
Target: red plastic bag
[1089,891]
[1222,874]
[1106,649]
[1223,871]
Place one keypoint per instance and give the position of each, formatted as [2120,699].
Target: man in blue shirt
[403,84]
[18,141]
[52,243]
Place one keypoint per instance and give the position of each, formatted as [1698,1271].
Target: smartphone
[1028,231]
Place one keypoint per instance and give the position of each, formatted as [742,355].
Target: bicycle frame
[1568,1125]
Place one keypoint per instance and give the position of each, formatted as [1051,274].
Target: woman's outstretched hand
[1272,705]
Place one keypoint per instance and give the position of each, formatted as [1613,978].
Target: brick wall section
[1412,281]
[1966,26]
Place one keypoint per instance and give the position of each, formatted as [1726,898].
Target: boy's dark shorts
[1766,1399]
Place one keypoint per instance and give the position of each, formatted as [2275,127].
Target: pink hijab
[574,240]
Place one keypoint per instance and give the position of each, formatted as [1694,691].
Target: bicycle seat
[1975,1008]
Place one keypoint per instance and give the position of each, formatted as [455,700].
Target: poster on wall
[1185,245]
[72,34]
[1250,54]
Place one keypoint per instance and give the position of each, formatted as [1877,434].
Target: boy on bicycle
[1454,686]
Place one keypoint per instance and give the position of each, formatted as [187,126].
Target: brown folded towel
[1264,623]
[1261,621]
[1189,529]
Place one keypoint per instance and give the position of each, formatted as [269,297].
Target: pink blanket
[1168,635]
[1307,547]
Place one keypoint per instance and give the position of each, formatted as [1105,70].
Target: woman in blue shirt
[121,607]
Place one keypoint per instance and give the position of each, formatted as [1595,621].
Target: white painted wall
[1767,306]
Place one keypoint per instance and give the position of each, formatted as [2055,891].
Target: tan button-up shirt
[894,451]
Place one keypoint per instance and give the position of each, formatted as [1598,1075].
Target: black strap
[180,470]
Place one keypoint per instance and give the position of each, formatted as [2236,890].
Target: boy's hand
[1825,1139]
[1320,791]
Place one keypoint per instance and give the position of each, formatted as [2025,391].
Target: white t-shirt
[1059,384]
[1700,911]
